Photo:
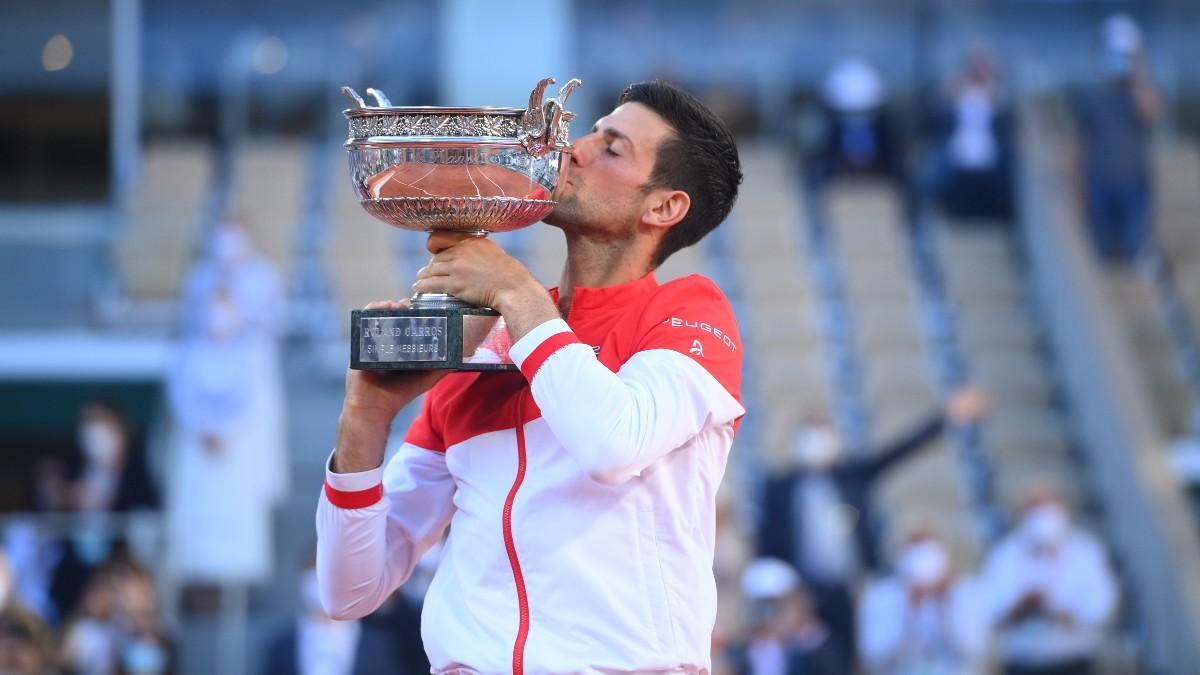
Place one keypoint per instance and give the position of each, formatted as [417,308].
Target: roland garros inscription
[406,338]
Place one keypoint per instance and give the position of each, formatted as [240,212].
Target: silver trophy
[473,170]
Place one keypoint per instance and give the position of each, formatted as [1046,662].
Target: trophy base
[429,338]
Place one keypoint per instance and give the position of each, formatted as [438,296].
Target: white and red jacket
[580,493]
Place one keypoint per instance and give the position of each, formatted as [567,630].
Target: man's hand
[1031,604]
[966,405]
[212,444]
[372,401]
[478,271]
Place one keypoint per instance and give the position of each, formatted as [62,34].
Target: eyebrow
[612,134]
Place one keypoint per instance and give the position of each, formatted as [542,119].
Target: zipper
[518,658]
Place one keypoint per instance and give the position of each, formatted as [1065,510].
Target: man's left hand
[967,405]
[476,270]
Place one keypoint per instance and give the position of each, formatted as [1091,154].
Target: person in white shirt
[225,389]
[1052,590]
[923,620]
[580,492]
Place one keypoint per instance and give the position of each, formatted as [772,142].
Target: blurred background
[965,261]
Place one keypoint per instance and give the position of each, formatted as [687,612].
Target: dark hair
[701,159]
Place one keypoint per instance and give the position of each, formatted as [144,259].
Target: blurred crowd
[1040,603]
[80,593]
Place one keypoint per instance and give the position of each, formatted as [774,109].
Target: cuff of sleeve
[531,351]
[353,490]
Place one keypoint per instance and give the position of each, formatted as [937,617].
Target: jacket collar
[589,299]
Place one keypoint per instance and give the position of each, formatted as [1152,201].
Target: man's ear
[666,207]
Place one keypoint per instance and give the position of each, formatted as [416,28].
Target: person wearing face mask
[1115,116]
[922,620]
[92,635]
[818,515]
[107,473]
[225,389]
[1052,590]
[972,157]
[146,647]
[785,637]
[240,300]
[112,475]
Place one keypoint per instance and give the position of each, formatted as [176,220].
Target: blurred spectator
[971,165]
[116,628]
[922,620]
[29,561]
[225,391]
[384,643]
[146,648]
[25,643]
[1114,117]
[91,638]
[785,637]
[858,134]
[110,474]
[1052,590]
[819,517]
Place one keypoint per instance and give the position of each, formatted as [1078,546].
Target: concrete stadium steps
[779,320]
[1024,435]
[158,240]
[360,252]
[269,180]
[867,225]
[1177,214]
[1133,297]
[1177,201]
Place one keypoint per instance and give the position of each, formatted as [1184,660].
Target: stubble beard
[595,218]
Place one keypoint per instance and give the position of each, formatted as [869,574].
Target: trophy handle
[545,126]
[565,92]
[349,93]
[380,98]
[533,122]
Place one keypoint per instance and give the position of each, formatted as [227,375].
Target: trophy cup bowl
[473,170]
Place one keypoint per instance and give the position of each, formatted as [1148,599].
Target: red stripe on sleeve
[543,351]
[360,499]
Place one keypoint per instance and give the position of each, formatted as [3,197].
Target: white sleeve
[373,526]
[617,424]
[881,620]
[1089,595]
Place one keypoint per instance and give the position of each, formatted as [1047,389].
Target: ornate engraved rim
[390,124]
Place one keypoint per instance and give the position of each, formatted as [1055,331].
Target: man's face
[603,189]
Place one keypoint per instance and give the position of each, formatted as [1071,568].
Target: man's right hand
[372,401]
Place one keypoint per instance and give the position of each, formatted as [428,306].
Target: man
[923,618]
[785,637]
[819,516]
[1115,117]
[1053,591]
[580,492]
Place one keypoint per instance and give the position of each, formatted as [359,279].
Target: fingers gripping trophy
[468,170]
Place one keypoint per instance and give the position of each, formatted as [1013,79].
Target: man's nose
[584,150]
